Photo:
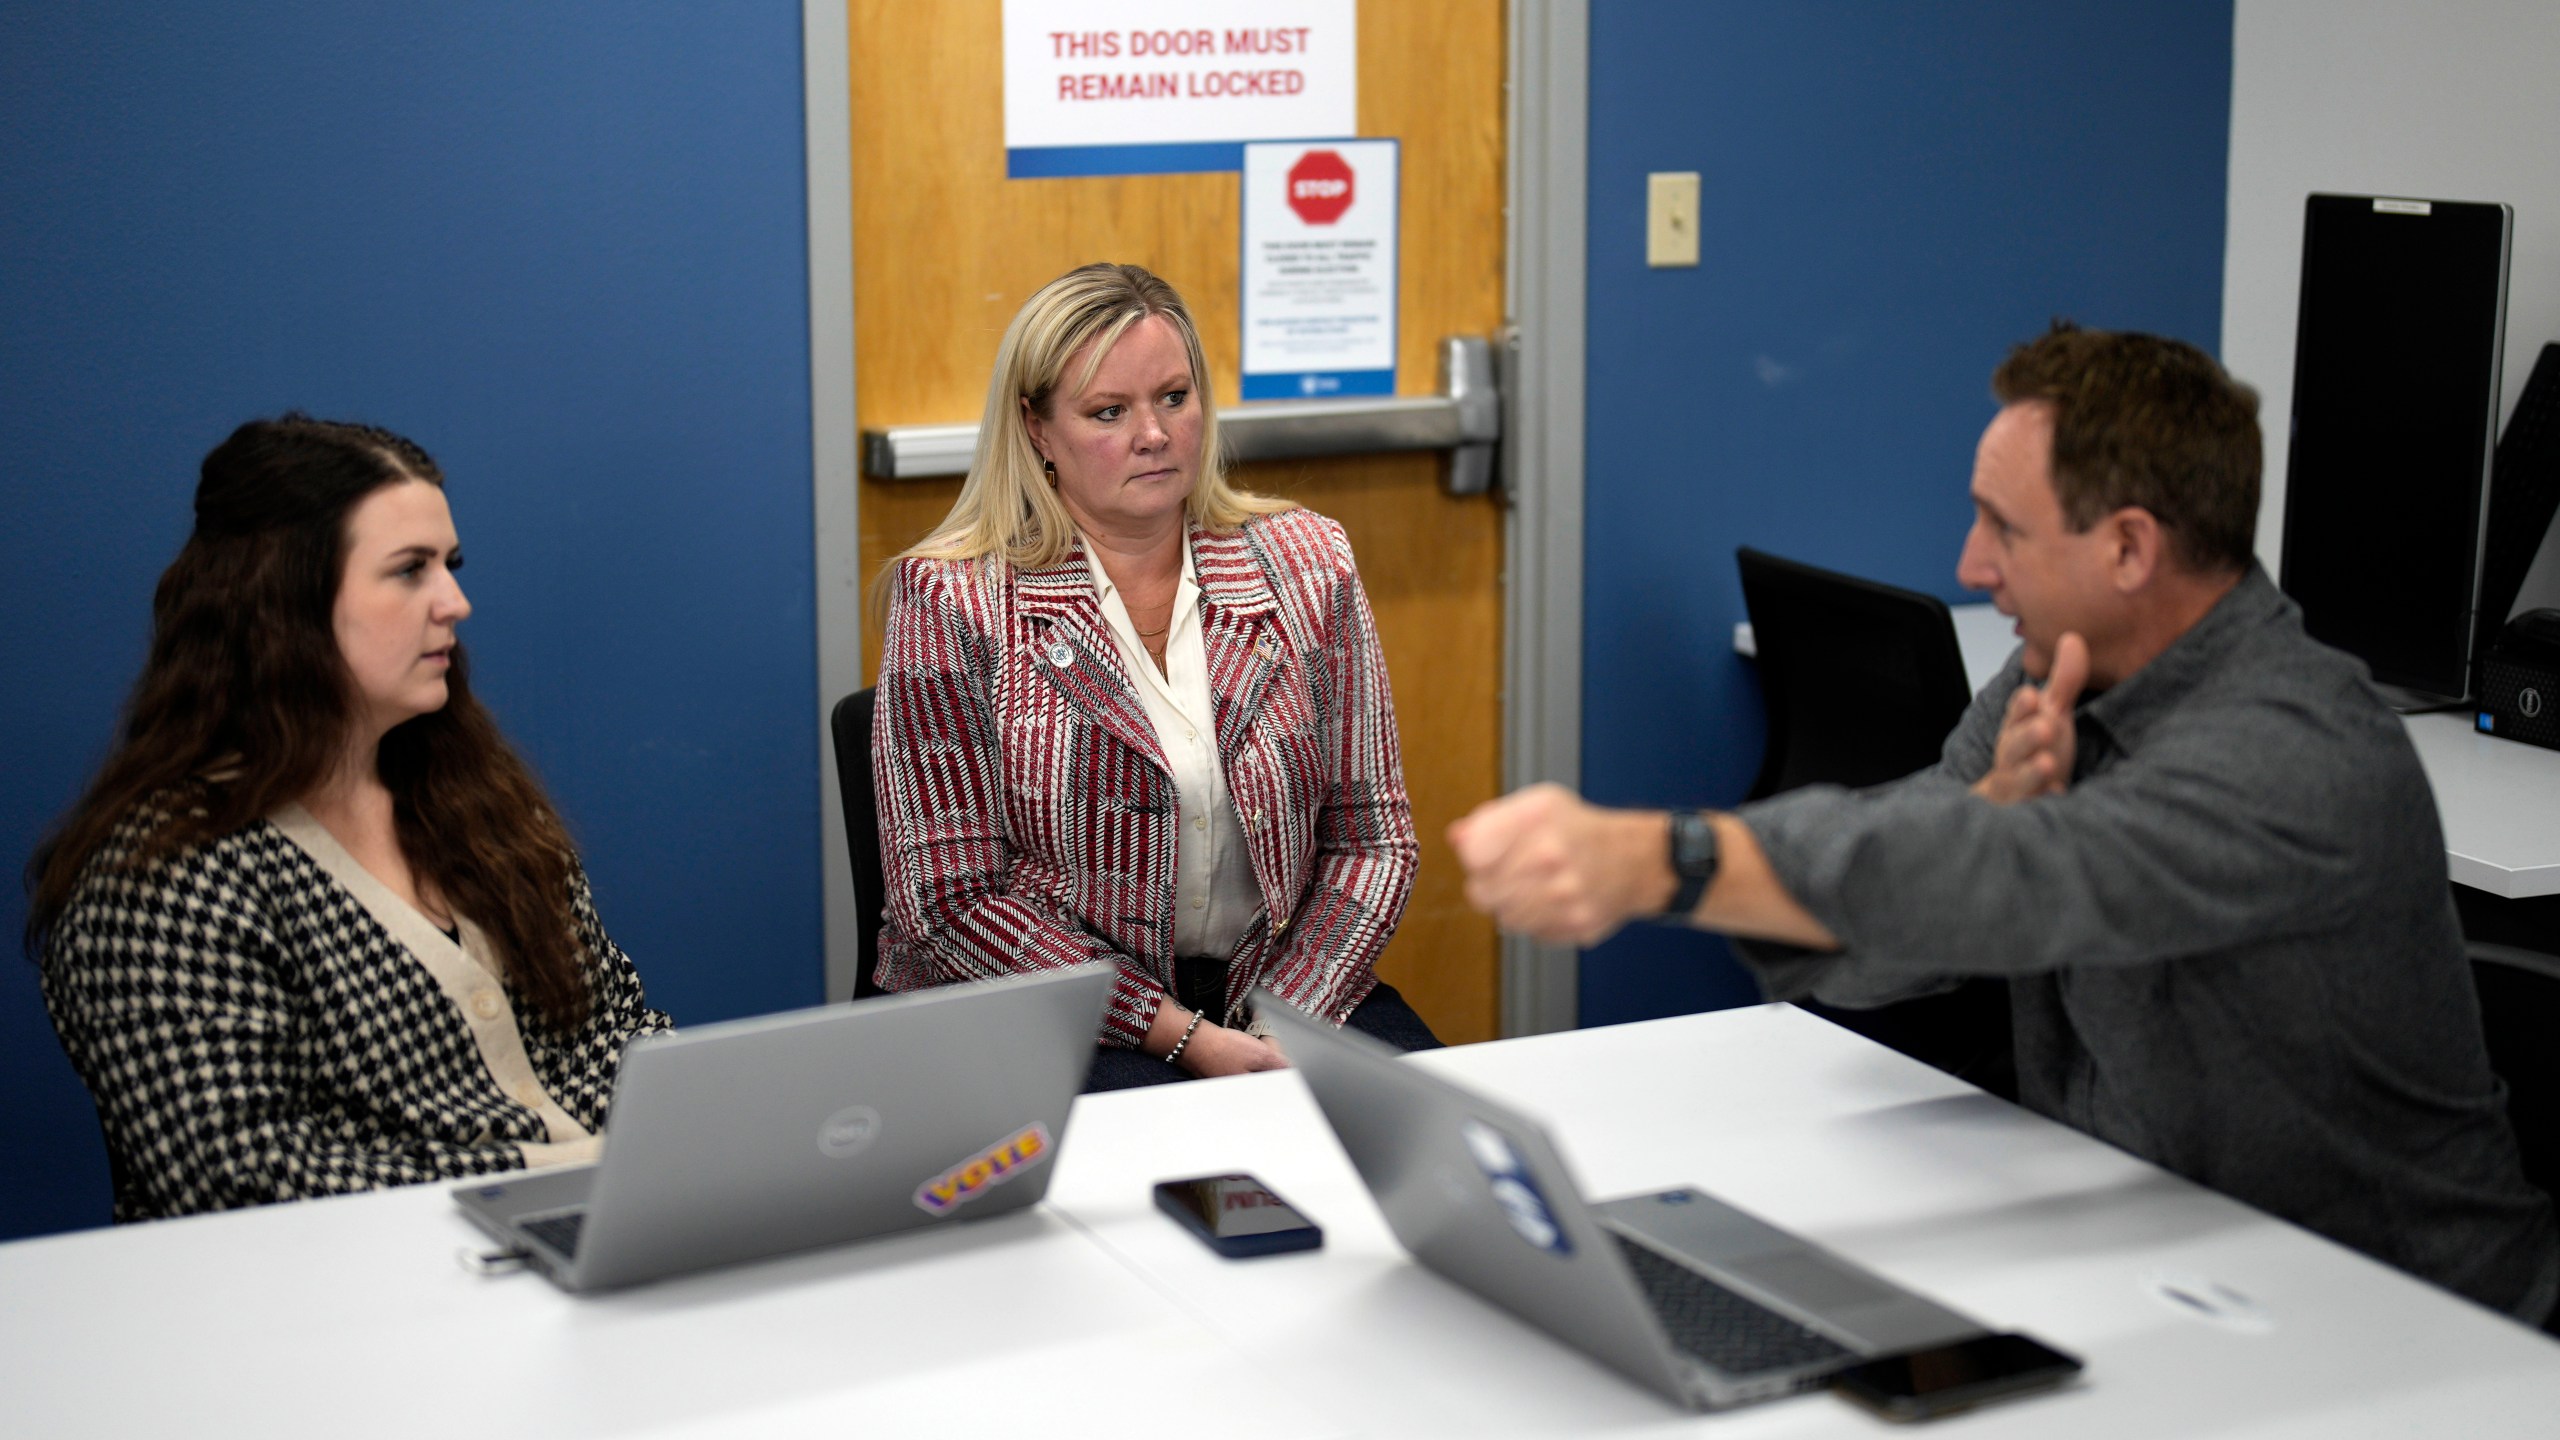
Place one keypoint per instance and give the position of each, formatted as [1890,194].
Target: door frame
[1548,153]
[1548,48]
[835,482]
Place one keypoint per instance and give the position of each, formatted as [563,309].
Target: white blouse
[1214,898]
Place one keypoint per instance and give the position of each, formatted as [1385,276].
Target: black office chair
[1861,683]
[2519,1013]
[850,723]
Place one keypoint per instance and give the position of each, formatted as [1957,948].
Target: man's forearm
[1746,898]
[1544,862]
[1749,900]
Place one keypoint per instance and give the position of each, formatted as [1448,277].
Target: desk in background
[2499,800]
[1093,1315]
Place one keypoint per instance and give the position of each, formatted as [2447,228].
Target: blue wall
[1894,194]
[561,245]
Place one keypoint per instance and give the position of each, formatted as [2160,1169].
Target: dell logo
[2529,702]
[848,1131]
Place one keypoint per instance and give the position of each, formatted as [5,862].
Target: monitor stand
[2406,701]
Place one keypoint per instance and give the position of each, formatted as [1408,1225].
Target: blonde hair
[1006,507]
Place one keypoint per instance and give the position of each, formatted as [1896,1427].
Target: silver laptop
[1699,1300]
[758,1137]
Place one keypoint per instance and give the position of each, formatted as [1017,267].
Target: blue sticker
[1523,1204]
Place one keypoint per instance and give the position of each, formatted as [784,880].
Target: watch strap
[1693,859]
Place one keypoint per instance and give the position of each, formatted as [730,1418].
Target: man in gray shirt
[2200,847]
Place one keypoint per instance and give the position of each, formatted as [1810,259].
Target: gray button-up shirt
[2231,945]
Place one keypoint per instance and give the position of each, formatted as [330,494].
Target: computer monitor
[2395,420]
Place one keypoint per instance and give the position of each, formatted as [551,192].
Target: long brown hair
[245,702]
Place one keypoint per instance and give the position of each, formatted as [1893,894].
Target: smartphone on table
[1237,1216]
[1942,1379]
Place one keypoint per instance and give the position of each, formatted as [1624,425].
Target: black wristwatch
[1693,859]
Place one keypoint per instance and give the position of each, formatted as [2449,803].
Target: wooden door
[945,249]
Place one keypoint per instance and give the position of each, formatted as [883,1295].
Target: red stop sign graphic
[1320,187]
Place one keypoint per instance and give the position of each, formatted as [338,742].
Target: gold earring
[1050,469]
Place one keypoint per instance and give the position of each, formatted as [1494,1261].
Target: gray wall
[2446,100]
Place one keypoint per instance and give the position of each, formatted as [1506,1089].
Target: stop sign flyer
[1319,275]
[1319,186]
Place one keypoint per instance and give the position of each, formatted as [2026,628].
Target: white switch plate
[1671,218]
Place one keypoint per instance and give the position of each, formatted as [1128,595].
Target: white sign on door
[1144,87]
[1319,275]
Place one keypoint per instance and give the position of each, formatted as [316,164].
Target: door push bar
[1465,419]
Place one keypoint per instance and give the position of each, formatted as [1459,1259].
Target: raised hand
[2037,740]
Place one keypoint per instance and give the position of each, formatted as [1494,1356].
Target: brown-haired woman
[314,927]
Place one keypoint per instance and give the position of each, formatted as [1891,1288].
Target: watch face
[1693,845]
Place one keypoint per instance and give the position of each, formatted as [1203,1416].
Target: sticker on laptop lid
[1523,1204]
[984,1171]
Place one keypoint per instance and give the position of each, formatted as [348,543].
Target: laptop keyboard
[560,1231]
[1720,1326]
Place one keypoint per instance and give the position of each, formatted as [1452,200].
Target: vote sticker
[984,1171]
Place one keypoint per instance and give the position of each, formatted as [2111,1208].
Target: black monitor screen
[2395,396]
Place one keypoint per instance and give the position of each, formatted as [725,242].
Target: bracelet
[1176,1052]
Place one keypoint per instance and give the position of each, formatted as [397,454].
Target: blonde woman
[1129,712]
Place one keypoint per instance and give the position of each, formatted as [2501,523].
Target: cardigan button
[484,1003]
[1061,655]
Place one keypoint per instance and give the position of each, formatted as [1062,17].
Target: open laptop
[1699,1300]
[758,1137]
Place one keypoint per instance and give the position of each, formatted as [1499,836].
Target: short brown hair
[2143,420]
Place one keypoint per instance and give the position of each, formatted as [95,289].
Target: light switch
[1671,218]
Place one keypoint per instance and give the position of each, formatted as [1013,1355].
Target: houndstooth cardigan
[258,1019]
[1027,816]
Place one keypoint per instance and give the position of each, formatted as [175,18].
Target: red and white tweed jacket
[1026,812]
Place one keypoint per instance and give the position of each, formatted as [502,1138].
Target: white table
[2499,800]
[348,1317]
[2500,803]
[351,1318]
